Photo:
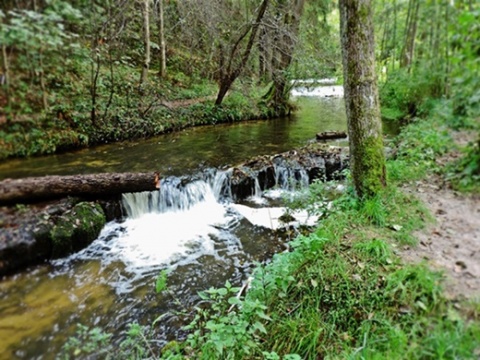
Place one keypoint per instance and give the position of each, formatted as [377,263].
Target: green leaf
[222,291]
[421,305]
[161,283]
[262,315]
[234,301]
[259,326]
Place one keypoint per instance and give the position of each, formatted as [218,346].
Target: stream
[195,231]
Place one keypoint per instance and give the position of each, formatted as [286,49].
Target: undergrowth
[339,293]
[342,292]
[131,113]
[465,172]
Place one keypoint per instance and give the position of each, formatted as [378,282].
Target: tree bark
[286,43]
[43,87]
[367,159]
[263,56]
[146,41]
[410,34]
[6,70]
[161,35]
[34,189]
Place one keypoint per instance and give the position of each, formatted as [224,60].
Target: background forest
[76,73]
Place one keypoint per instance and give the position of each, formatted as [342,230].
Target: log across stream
[318,160]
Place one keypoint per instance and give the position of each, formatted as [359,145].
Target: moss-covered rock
[77,228]
[33,234]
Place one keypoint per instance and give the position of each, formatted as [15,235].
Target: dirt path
[452,243]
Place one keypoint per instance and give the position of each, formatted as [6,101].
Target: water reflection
[184,152]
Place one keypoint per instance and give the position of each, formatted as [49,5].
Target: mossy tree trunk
[367,159]
[6,80]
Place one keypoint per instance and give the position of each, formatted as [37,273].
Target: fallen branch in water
[331,135]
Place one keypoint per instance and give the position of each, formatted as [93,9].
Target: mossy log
[34,189]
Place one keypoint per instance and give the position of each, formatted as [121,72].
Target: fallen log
[330,135]
[34,189]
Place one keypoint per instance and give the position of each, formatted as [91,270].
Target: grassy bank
[341,292]
[130,115]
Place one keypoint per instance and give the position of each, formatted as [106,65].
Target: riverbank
[348,290]
[140,114]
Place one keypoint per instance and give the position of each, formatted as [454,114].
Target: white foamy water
[318,91]
[184,222]
[151,239]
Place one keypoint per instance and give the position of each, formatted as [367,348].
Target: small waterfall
[179,197]
[257,191]
[176,195]
[290,179]
[221,184]
[180,194]
[137,204]
[183,220]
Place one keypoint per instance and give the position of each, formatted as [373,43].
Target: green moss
[77,228]
[370,169]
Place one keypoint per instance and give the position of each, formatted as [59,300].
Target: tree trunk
[42,83]
[367,158]
[263,56]
[161,35]
[225,84]
[146,41]
[94,73]
[286,43]
[410,34]
[34,189]
[231,72]
[5,70]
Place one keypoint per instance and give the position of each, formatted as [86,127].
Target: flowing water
[189,150]
[194,230]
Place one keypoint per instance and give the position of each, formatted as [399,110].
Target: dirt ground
[452,243]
